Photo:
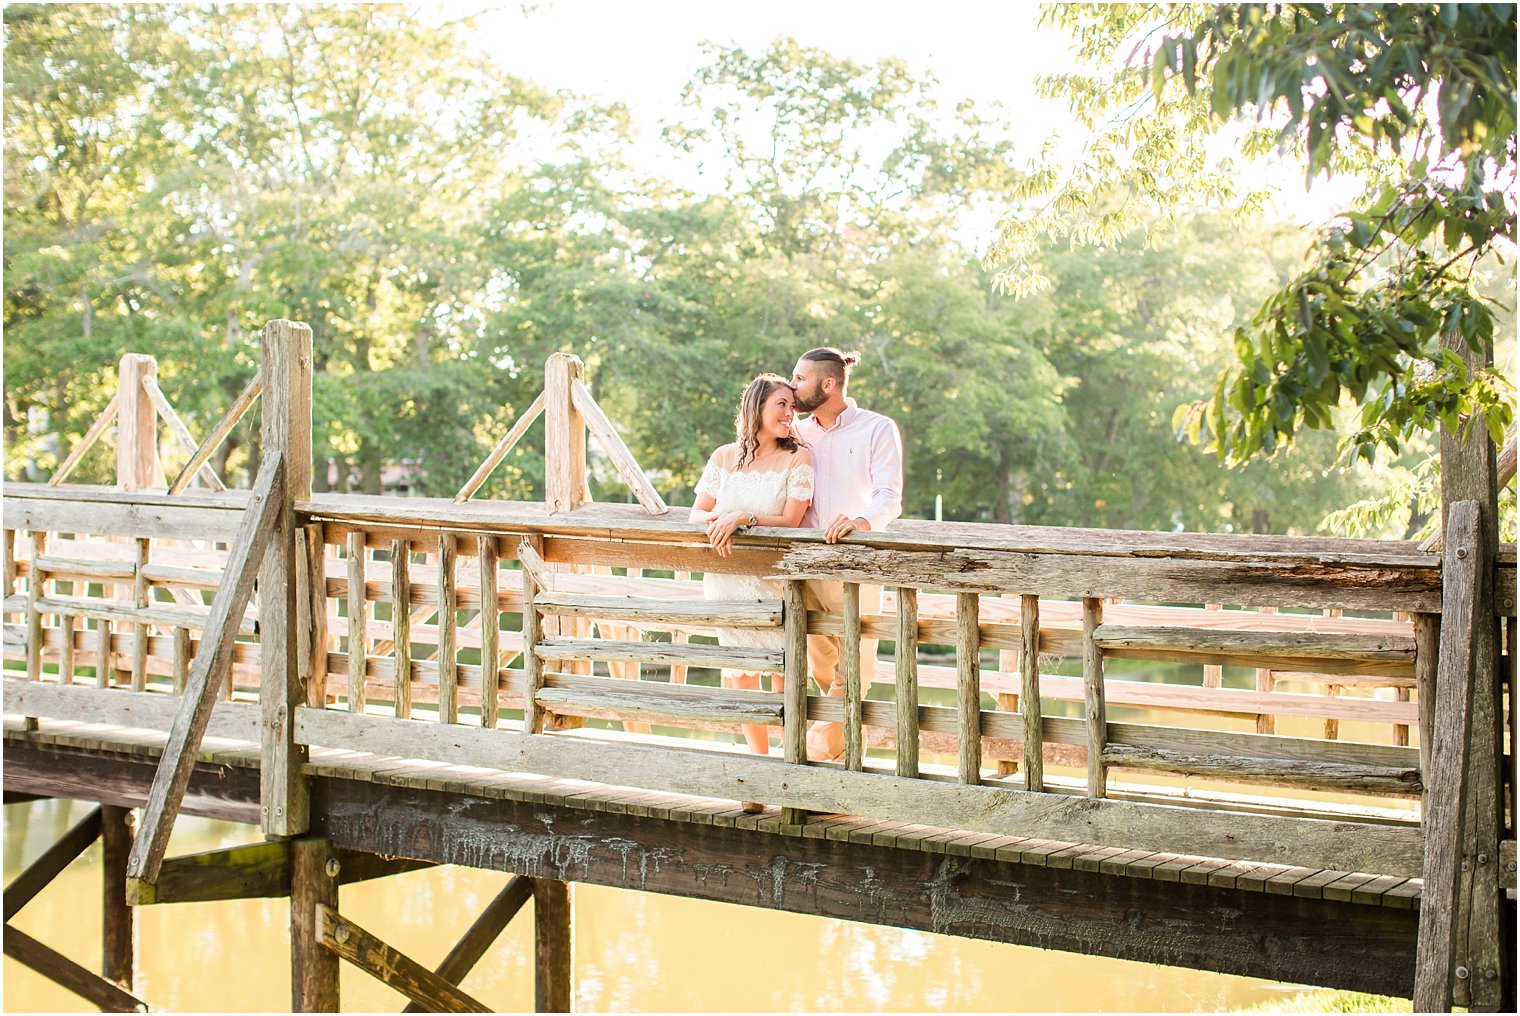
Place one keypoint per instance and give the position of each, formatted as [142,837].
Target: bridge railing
[398,585]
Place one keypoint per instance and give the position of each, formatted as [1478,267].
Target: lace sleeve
[712,479]
[799,482]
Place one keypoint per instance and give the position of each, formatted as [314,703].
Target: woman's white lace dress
[762,487]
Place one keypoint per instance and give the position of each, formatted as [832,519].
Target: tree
[1418,99]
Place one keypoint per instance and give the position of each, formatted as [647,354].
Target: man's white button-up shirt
[857,467]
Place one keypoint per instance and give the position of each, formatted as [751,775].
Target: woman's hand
[720,532]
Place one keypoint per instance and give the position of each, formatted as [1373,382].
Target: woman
[763,479]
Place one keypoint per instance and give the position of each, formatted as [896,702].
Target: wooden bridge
[1321,794]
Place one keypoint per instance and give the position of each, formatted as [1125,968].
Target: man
[858,482]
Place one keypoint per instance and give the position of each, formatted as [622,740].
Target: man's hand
[720,532]
[843,525]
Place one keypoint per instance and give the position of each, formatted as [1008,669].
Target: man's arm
[886,470]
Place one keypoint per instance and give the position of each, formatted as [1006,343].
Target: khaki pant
[823,651]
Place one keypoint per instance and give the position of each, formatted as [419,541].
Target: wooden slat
[1338,776]
[105,419]
[906,678]
[194,713]
[490,631]
[315,621]
[401,624]
[64,972]
[499,451]
[72,568]
[532,636]
[358,622]
[649,611]
[647,700]
[35,586]
[1029,701]
[218,433]
[67,626]
[743,658]
[162,616]
[849,652]
[141,595]
[612,443]
[146,517]
[180,431]
[391,968]
[105,661]
[795,669]
[969,687]
[1096,712]
[448,618]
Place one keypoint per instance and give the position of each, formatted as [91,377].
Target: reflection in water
[634,951]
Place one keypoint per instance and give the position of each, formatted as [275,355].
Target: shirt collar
[845,414]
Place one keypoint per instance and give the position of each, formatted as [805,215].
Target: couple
[838,470]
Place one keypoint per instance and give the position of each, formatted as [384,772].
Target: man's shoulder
[871,418]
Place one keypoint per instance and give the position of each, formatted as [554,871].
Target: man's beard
[804,405]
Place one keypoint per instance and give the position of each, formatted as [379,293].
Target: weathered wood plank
[490,631]
[149,710]
[395,970]
[907,681]
[1029,699]
[499,451]
[612,443]
[736,657]
[969,687]
[728,613]
[102,422]
[161,616]
[849,653]
[794,690]
[41,872]
[254,870]
[64,972]
[1316,775]
[141,597]
[448,621]
[1346,845]
[472,945]
[195,707]
[218,433]
[532,635]
[564,437]
[1095,710]
[106,518]
[651,701]
[286,428]
[137,463]
[358,622]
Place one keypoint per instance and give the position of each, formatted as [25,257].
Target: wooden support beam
[314,874]
[907,681]
[345,939]
[180,431]
[502,447]
[105,419]
[553,946]
[486,929]
[358,622]
[564,437]
[1436,958]
[401,624]
[219,433]
[612,443]
[213,660]
[286,429]
[255,870]
[448,620]
[1096,710]
[41,872]
[794,687]
[36,587]
[67,974]
[1029,701]
[137,462]
[849,651]
[118,926]
[968,651]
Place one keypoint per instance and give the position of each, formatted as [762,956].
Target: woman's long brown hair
[747,423]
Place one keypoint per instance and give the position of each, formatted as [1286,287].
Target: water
[634,952]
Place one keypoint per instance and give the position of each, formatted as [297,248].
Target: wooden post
[315,621]
[105,660]
[490,631]
[67,630]
[142,595]
[1029,661]
[794,707]
[181,659]
[907,681]
[564,436]
[854,736]
[313,882]
[401,624]
[137,463]
[1266,681]
[117,925]
[1213,674]
[968,659]
[1096,710]
[553,946]
[10,562]
[448,618]
[358,622]
[1427,646]
[285,808]
[36,580]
